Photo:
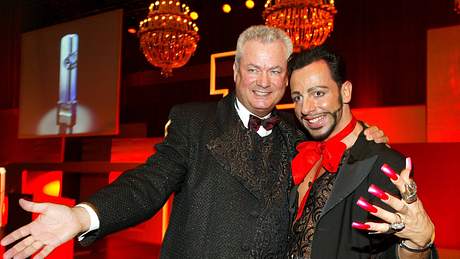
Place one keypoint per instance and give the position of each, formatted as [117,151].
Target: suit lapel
[230,146]
[348,179]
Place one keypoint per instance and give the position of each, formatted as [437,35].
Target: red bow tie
[310,152]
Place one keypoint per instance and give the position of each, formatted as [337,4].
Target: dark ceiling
[383,42]
[218,31]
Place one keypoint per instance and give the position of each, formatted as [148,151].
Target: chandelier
[307,22]
[168,36]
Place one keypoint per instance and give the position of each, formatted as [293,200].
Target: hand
[55,225]
[417,228]
[375,134]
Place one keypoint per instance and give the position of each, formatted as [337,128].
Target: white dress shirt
[244,113]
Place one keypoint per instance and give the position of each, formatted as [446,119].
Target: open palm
[55,225]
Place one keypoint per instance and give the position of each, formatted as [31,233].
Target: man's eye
[318,93]
[251,70]
[296,98]
[276,72]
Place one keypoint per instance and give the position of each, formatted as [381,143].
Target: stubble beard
[335,118]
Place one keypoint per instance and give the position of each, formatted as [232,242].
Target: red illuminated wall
[443,84]
[403,124]
[435,172]
[138,150]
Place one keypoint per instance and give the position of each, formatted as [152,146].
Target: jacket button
[245,247]
[254,213]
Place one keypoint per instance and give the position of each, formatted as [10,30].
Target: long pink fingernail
[388,171]
[377,192]
[359,225]
[366,205]
[409,163]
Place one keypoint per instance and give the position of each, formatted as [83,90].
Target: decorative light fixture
[168,36]
[457,6]
[249,4]
[307,22]
[226,8]
[194,15]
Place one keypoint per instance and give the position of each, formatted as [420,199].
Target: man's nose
[263,80]
[308,106]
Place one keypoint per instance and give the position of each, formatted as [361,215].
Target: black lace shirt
[302,230]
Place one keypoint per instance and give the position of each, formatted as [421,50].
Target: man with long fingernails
[349,201]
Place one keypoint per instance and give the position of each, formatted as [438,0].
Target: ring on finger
[410,192]
[396,226]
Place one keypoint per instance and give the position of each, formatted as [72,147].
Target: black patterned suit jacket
[220,208]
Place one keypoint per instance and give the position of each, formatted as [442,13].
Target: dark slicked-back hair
[307,57]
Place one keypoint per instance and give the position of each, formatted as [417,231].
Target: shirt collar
[244,113]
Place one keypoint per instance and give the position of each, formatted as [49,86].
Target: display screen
[70,77]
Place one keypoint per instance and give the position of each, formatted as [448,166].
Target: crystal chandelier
[168,36]
[307,22]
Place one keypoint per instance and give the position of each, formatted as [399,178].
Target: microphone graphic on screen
[67,103]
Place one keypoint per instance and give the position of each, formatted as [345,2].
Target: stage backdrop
[443,84]
[70,76]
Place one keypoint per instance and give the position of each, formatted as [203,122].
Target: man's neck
[351,138]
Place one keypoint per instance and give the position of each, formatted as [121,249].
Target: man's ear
[235,71]
[346,92]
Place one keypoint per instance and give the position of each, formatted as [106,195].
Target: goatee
[335,116]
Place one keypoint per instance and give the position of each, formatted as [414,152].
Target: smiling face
[261,75]
[320,104]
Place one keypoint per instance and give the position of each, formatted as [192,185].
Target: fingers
[24,249]
[369,132]
[409,220]
[377,211]
[375,134]
[372,227]
[24,230]
[377,227]
[405,174]
[33,206]
[389,199]
[44,252]
[383,139]
[30,250]
[386,216]
[394,177]
[16,235]
[403,182]
[18,247]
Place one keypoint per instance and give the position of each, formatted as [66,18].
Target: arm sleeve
[139,193]
[93,219]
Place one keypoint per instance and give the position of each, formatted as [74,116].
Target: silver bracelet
[415,250]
